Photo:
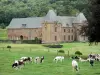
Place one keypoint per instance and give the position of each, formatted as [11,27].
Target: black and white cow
[75,65]
[39,59]
[18,64]
[91,62]
[94,57]
[26,59]
[58,58]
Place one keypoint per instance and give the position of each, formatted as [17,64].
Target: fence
[32,49]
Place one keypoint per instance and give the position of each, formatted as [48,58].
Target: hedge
[53,46]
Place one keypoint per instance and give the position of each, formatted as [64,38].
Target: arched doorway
[21,37]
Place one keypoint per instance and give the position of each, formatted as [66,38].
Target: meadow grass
[71,47]
[48,67]
[3,34]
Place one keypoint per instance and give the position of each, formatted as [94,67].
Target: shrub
[53,46]
[32,41]
[8,46]
[78,53]
[61,51]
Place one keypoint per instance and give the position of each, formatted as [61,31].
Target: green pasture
[48,67]
[3,34]
[71,47]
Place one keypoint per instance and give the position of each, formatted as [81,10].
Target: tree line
[27,8]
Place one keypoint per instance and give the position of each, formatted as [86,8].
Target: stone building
[50,28]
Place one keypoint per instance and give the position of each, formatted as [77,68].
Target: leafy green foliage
[8,46]
[78,53]
[31,41]
[53,46]
[27,8]
[2,26]
[61,51]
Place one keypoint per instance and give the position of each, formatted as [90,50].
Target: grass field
[48,67]
[3,34]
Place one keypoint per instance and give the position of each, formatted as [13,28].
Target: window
[64,37]
[72,37]
[30,34]
[55,29]
[72,30]
[55,38]
[67,24]
[64,30]
[68,37]
[45,26]
[23,25]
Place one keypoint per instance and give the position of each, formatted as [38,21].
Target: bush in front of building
[22,41]
[61,51]
[9,47]
[32,41]
[78,53]
[53,46]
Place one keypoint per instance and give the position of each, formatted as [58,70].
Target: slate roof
[36,22]
[66,21]
[51,16]
[80,18]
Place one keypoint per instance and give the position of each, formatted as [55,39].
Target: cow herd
[91,59]
[23,60]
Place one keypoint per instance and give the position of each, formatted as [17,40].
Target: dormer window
[64,30]
[55,29]
[23,25]
[67,24]
[45,26]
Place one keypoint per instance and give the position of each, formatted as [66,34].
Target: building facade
[50,28]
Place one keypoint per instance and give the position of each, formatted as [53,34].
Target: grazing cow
[75,57]
[39,59]
[98,57]
[75,65]
[94,57]
[91,62]
[58,58]
[42,58]
[36,59]
[25,59]
[17,64]
[91,56]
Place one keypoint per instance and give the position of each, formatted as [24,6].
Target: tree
[94,23]
[10,9]
[2,26]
